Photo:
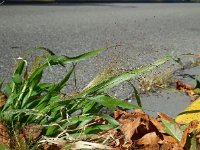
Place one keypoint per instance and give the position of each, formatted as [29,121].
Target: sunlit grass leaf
[85,122]
[77,122]
[52,130]
[11,101]
[20,67]
[172,129]
[110,120]
[97,128]
[136,95]
[89,106]
[55,59]
[8,89]
[112,103]
[36,73]
[16,79]
[62,83]
[124,76]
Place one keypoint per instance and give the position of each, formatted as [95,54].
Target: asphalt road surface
[144,31]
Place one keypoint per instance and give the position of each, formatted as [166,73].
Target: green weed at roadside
[33,102]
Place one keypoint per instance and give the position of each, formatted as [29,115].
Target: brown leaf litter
[188,89]
[142,132]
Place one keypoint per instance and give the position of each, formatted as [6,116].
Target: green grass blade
[16,78]
[36,72]
[62,83]
[11,101]
[172,129]
[8,89]
[20,67]
[112,103]
[85,122]
[55,59]
[136,95]
[110,120]
[97,128]
[125,76]
[31,88]
[72,123]
[31,50]
[46,98]
[89,106]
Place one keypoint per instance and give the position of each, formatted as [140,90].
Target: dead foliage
[140,131]
[190,90]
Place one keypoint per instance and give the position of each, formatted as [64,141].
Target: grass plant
[36,111]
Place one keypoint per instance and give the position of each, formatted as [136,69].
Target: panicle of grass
[152,82]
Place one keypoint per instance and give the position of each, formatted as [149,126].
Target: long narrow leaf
[54,59]
[20,67]
[62,83]
[31,87]
[31,50]
[97,128]
[112,103]
[125,76]
[136,95]
[172,129]
[110,120]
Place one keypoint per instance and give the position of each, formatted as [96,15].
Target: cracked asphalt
[144,31]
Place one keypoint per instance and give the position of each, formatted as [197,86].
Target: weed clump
[37,113]
[155,81]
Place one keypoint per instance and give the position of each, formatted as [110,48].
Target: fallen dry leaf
[167,139]
[187,88]
[128,129]
[148,139]
[182,86]
[165,117]
[158,125]
[168,143]
[138,125]
[142,132]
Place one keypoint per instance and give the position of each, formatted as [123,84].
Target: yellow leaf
[192,112]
